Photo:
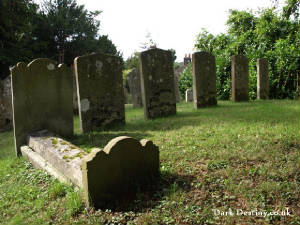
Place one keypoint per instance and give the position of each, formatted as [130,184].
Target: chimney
[187,59]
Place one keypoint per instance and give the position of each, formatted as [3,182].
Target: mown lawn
[238,156]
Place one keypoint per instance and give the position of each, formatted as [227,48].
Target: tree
[69,24]
[173,51]
[204,41]
[149,42]
[16,26]
[267,34]
[60,30]
[132,61]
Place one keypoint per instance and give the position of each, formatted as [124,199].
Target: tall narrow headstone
[42,94]
[189,95]
[262,79]
[157,83]
[240,78]
[176,88]
[100,91]
[204,79]
[134,83]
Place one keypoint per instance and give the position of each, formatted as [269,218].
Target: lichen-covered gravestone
[42,99]
[104,174]
[134,83]
[262,79]
[240,78]
[189,95]
[157,83]
[204,79]
[100,91]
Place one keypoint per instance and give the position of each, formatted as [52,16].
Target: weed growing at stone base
[234,156]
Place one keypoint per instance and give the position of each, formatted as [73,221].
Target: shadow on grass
[151,194]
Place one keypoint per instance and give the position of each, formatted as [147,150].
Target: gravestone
[75,99]
[176,88]
[6,120]
[240,78]
[103,174]
[262,79]
[157,83]
[42,95]
[126,94]
[204,79]
[134,83]
[100,91]
[189,95]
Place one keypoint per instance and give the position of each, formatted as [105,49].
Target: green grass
[236,155]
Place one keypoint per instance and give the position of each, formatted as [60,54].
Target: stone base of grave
[104,174]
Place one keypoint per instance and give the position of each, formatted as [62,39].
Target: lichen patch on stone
[50,66]
[85,105]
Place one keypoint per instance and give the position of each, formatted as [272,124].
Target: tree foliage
[60,30]
[185,80]
[16,26]
[265,34]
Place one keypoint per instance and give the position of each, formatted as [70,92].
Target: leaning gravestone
[189,95]
[240,80]
[157,83]
[42,99]
[262,79]
[134,83]
[100,91]
[204,79]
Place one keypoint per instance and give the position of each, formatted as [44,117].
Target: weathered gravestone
[204,79]
[42,99]
[189,95]
[6,120]
[262,79]
[126,100]
[176,87]
[240,78]
[134,83]
[157,83]
[100,91]
[104,174]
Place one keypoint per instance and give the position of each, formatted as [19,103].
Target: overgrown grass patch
[233,156]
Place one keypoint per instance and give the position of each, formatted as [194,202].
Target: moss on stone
[54,141]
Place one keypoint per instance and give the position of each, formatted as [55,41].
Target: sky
[171,23]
